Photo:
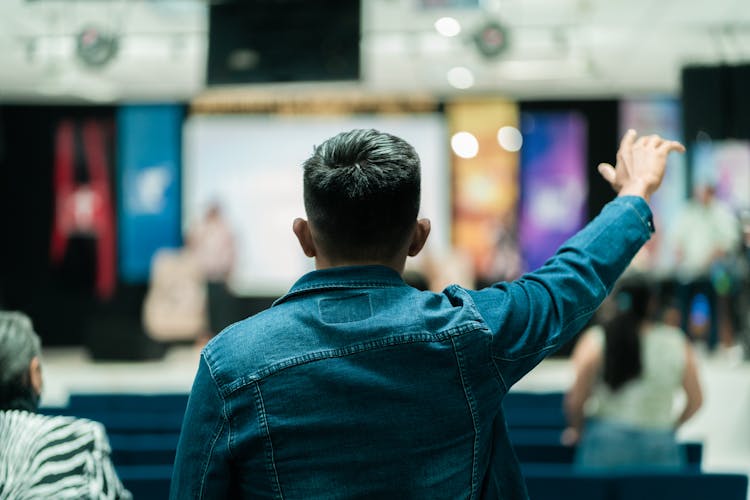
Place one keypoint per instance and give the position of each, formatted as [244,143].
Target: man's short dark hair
[362,191]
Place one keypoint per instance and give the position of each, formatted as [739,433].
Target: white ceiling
[557,48]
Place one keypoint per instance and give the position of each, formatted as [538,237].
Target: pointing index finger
[669,146]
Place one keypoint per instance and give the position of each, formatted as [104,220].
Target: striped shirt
[55,457]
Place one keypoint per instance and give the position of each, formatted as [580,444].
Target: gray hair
[19,344]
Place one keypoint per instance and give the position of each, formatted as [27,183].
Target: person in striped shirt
[45,456]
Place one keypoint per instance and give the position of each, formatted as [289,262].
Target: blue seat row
[544,447]
[554,482]
[128,421]
[544,481]
[151,403]
[144,431]
[144,449]
[146,482]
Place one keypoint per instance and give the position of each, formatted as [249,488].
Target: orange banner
[485,186]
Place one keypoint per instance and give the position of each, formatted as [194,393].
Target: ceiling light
[509,138]
[464,144]
[448,26]
[460,77]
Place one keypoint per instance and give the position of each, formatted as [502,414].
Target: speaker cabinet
[716,101]
[256,41]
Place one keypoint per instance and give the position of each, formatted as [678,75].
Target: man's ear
[301,229]
[419,238]
[35,374]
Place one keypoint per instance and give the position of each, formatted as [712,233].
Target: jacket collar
[373,276]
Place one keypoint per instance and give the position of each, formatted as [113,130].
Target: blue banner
[148,187]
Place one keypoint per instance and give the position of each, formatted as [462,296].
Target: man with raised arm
[355,385]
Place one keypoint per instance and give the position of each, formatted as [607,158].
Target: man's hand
[640,165]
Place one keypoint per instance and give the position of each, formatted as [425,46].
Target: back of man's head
[19,344]
[362,191]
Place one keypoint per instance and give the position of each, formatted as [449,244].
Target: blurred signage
[553,183]
[148,171]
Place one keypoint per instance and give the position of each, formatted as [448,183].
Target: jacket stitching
[337,285]
[645,219]
[217,432]
[207,461]
[522,356]
[472,410]
[497,370]
[347,351]
[276,485]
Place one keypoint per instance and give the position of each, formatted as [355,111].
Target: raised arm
[535,315]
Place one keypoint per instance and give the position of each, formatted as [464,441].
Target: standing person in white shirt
[706,233]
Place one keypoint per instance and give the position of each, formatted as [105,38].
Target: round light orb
[510,138]
[448,26]
[464,144]
[460,77]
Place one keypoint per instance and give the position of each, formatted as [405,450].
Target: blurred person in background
[743,303]
[45,456]
[628,373]
[211,242]
[706,237]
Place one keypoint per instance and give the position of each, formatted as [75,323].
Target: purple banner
[553,183]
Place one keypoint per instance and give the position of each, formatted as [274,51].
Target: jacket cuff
[640,206]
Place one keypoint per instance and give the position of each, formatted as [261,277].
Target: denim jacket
[356,385]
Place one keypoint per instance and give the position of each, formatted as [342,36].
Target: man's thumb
[608,172]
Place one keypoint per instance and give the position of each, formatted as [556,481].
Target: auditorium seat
[560,481]
[682,486]
[520,399]
[562,484]
[134,421]
[127,413]
[543,446]
[143,449]
[146,482]
[152,403]
[534,410]
[538,418]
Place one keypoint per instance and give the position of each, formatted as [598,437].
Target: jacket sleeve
[202,467]
[533,316]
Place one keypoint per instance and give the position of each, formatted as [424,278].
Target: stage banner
[661,116]
[148,173]
[83,196]
[553,182]
[484,142]
[251,165]
[726,165]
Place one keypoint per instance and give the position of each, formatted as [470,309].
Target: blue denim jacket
[355,385]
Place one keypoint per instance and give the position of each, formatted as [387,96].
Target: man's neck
[322,262]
